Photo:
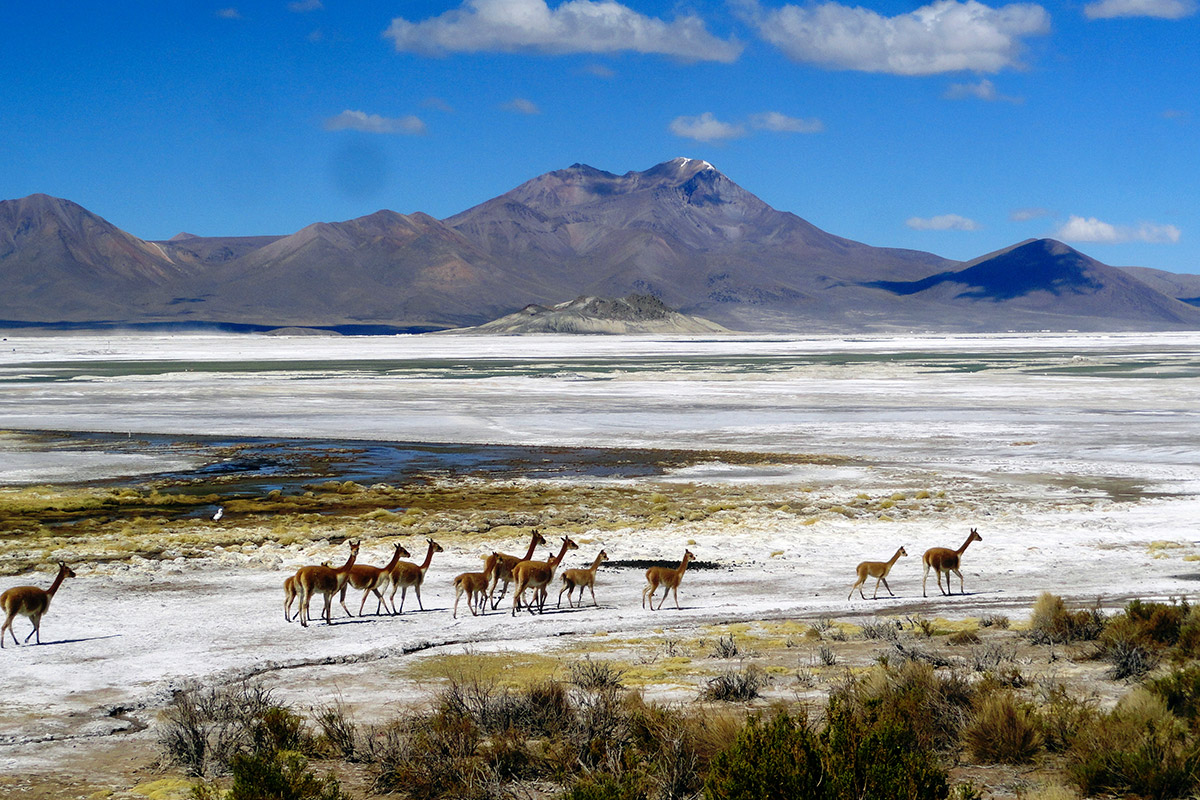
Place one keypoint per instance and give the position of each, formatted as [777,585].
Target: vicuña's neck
[62,576]
[428,557]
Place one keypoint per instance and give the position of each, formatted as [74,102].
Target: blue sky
[957,127]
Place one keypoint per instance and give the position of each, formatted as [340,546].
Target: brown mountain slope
[59,261]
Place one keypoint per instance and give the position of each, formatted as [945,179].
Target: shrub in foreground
[1003,731]
[776,758]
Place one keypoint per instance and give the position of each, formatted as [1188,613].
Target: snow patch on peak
[686,162]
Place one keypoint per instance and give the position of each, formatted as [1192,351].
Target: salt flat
[1076,457]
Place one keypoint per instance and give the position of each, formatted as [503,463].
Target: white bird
[220,513]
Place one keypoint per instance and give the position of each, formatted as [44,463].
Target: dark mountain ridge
[680,231]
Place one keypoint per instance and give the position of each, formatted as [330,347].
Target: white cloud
[228,13]
[1161,9]
[781,123]
[574,26]
[1090,229]
[1027,214]
[373,123]
[944,222]
[944,36]
[706,128]
[521,106]
[983,90]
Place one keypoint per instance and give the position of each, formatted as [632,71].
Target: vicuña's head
[354,547]
[903,552]
[974,537]
[603,555]
[570,544]
[402,551]
[70,573]
[688,555]
[437,548]
[538,538]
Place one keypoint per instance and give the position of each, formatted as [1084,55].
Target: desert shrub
[605,786]
[989,657]
[542,708]
[933,706]
[429,756]
[1063,717]
[589,674]
[777,758]
[964,637]
[280,775]
[1051,622]
[338,731]
[1003,731]
[1139,748]
[205,728]
[1188,644]
[735,685]
[726,647]
[994,620]
[1158,623]
[872,750]
[884,629]
[1180,690]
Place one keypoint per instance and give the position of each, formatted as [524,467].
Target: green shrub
[1051,622]
[279,775]
[872,750]
[778,758]
[1003,731]
[1180,690]
[205,728]
[604,786]
[1139,748]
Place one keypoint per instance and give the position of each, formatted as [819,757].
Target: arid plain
[780,463]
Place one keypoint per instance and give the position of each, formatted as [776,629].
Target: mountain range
[681,232]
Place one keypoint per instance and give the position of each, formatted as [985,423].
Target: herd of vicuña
[529,575]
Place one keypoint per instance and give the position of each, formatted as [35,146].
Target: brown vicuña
[32,602]
[943,559]
[406,574]
[667,578]
[580,578]
[878,570]
[475,584]
[537,575]
[325,581]
[504,568]
[370,579]
[290,590]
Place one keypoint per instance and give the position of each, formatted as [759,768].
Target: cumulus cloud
[574,26]
[983,90]
[1161,9]
[944,36]
[781,123]
[706,128]
[944,222]
[522,106]
[1090,229]
[374,123]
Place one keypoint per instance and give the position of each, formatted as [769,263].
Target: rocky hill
[633,314]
